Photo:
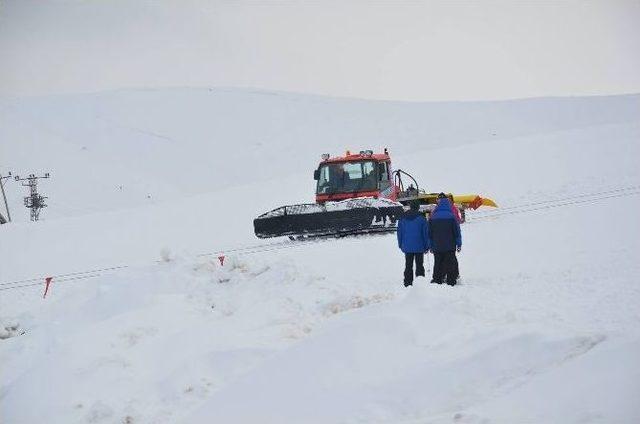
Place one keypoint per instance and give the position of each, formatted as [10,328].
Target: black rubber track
[349,221]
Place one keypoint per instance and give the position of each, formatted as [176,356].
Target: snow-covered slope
[543,328]
[249,152]
[111,150]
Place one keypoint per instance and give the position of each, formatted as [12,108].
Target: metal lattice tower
[34,201]
[4,220]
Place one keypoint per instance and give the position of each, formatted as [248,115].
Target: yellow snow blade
[489,202]
[472,201]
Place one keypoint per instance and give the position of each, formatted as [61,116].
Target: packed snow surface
[543,328]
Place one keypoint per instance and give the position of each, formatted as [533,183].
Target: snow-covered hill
[543,328]
[166,164]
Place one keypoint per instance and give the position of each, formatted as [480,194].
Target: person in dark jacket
[413,240]
[445,240]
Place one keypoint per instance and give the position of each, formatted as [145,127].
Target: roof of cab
[379,157]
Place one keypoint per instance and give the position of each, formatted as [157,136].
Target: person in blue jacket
[413,240]
[445,240]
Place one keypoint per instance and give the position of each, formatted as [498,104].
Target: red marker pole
[47,281]
[221,259]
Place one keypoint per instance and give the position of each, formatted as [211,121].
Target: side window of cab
[384,181]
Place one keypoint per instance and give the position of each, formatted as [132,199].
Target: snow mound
[121,331]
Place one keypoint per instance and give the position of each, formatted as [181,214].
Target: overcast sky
[429,50]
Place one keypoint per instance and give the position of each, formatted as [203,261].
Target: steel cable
[268,247]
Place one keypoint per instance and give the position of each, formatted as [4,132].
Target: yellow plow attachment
[473,201]
[466,201]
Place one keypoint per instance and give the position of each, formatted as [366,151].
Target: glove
[458,248]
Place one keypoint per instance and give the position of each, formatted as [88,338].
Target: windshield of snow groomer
[347,177]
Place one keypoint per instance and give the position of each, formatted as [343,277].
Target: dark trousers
[445,266]
[408,267]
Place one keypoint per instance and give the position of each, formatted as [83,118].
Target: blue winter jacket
[413,233]
[444,229]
